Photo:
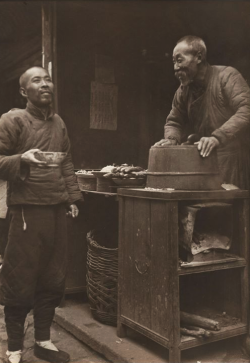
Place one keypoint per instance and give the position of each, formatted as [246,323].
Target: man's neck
[44,112]
[200,77]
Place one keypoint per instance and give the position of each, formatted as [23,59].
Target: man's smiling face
[185,63]
[38,87]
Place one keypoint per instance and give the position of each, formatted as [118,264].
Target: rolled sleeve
[176,118]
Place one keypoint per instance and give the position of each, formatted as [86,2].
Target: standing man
[34,267]
[214,103]
[3,221]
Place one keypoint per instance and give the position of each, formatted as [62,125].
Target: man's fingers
[74,211]
[200,144]
[205,147]
[159,143]
[34,150]
[210,148]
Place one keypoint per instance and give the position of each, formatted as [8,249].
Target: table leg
[121,330]
[174,355]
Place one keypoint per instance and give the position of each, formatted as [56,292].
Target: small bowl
[53,159]
[129,181]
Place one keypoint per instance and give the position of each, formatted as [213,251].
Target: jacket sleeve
[69,174]
[237,97]
[11,167]
[177,118]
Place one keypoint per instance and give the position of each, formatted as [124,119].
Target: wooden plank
[46,34]
[172,286]
[239,263]
[145,331]
[159,268]
[49,45]
[121,331]
[184,194]
[243,219]
[126,253]
[141,262]
[224,333]
[54,55]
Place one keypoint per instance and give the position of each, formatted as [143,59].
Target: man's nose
[44,83]
[176,66]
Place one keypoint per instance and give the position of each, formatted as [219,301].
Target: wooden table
[153,288]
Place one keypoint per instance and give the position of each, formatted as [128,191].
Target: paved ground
[103,339]
[76,318]
[78,351]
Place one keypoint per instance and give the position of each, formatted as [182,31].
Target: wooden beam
[49,44]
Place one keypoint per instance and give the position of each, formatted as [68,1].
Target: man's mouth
[46,92]
[180,75]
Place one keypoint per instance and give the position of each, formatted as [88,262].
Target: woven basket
[102,276]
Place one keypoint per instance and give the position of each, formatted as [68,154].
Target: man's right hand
[29,158]
[164,142]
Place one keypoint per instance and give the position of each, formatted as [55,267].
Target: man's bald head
[37,87]
[196,44]
[27,74]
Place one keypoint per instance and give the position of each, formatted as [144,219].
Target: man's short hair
[22,79]
[197,44]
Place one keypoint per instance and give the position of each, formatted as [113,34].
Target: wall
[81,35]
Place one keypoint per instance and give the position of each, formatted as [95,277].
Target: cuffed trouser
[34,269]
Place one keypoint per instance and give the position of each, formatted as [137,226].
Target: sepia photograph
[124,181]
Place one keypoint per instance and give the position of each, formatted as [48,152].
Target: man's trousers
[34,269]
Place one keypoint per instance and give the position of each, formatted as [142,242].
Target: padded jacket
[219,108]
[22,130]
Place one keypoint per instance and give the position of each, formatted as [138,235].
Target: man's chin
[185,82]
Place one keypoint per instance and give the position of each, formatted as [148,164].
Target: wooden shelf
[199,267]
[108,194]
[165,194]
[225,332]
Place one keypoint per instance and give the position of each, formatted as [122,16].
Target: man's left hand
[207,144]
[74,211]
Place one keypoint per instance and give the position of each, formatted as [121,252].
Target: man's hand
[74,211]
[207,144]
[166,142]
[29,158]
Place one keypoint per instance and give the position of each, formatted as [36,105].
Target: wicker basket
[86,182]
[102,276]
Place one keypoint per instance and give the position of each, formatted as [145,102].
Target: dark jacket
[22,130]
[220,108]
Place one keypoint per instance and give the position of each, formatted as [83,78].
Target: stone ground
[75,317]
[128,351]
[79,352]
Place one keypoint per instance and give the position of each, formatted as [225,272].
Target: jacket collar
[37,112]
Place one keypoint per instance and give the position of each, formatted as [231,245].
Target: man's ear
[199,57]
[22,91]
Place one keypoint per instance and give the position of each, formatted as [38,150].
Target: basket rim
[85,176]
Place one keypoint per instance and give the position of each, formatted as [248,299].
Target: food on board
[85,172]
[126,171]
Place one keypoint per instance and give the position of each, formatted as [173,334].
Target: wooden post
[49,51]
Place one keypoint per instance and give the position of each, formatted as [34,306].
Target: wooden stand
[153,287]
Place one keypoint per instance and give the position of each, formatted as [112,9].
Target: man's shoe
[52,356]
[14,357]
